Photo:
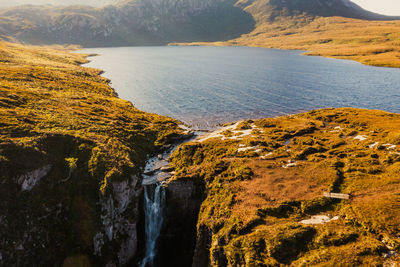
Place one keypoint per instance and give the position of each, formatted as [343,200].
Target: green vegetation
[46,94]
[67,138]
[260,187]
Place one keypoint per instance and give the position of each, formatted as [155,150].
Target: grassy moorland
[45,92]
[65,141]
[369,42]
[264,177]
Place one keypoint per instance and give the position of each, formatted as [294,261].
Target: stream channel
[156,174]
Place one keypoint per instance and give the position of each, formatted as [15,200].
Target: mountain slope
[140,22]
[150,22]
[337,28]
[322,8]
[98,3]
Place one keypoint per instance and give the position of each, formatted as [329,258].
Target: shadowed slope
[140,22]
[331,28]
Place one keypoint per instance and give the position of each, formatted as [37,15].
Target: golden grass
[54,112]
[253,204]
[272,186]
[45,92]
[369,42]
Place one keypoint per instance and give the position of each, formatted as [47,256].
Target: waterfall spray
[154,200]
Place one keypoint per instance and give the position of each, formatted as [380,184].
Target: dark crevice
[177,240]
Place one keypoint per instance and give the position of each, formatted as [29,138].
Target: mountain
[140,22]
[330,28]
[322,8]
[157,22]
[95,3]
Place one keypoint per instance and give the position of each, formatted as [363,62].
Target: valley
[183,141]
[331,28]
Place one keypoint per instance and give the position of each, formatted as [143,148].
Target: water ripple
[207,86]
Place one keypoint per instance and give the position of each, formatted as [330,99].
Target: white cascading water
[154,201]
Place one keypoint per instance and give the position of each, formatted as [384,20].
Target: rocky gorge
[74,157]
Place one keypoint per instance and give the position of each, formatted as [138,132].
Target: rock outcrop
[178,238]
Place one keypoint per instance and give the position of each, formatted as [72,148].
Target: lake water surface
[205,86]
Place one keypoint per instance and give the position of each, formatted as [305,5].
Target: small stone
[389,254]
[290,165]
[361,137]
[167,169]
[163,176]
[374,145]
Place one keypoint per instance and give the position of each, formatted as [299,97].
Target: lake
[207,86]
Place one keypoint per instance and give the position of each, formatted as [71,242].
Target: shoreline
[71,151]
[331,37]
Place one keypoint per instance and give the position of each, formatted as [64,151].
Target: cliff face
[71,154]
[264,184]
[178,238]
[53,212]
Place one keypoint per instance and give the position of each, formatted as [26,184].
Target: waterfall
[154,201]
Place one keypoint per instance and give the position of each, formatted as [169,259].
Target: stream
[154,201]
[156,173]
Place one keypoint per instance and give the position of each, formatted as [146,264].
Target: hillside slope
[155,22]
[331,28]
[134,22]
[271,9]
[96,3]
[71,154]
[263,184]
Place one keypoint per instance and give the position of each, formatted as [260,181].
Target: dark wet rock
[167,169]
[184,197]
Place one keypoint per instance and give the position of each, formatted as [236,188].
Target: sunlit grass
[254,205]
[369,42]
[45,92]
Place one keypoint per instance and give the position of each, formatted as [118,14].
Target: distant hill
[95,3]
[330,28]
[140,22]
[323,8]
[157,22]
